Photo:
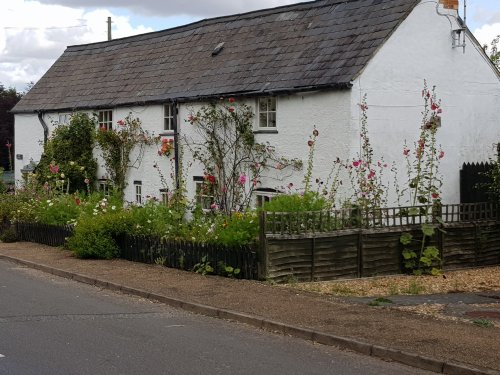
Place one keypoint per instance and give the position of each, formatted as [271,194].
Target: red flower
[357,163]
[315,132]
[231,109]
[231,100]
[435,195]
[54,168]
[210,178]
[78,201]
[310,143]
[434,106]
[441,155]
[371,175]
[121,123]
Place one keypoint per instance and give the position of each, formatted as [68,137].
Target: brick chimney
[449,4]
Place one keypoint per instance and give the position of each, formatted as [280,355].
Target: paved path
[378,332]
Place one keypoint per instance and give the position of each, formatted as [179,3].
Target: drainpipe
[44,126]
[176,143]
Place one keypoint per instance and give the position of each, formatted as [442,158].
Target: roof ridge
[214,20]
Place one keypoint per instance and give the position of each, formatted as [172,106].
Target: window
[168,118]
[264,195]
[64,118]
[138,192]
[106,119]
[204,193]
[267,113]
[164,194]
[104,187]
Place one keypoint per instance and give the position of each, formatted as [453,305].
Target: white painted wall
[419,50]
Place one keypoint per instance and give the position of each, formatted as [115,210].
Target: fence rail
[51,235]
[353,218]
[185,255]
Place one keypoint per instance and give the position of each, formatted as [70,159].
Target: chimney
[449,4]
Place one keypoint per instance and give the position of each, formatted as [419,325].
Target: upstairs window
[64,119]
[106,119]
[267,113]
[168,118]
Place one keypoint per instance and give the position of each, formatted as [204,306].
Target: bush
[309,201]
[156,219]
[8,235]
[94,235]
[60,210]
[238,230]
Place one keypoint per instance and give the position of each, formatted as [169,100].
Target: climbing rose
[78,201]
[121,123]
[231,100]
[231,109]
[310,143]
[435,195]
[315,132]
[242,179]
[357,163]
[406,152]
[441,155]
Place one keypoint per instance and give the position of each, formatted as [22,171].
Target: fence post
[263,256]
[360,253]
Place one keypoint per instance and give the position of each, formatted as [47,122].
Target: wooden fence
[347,244]
[185,255]
[51,235]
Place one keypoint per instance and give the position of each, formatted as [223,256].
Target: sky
[33,34]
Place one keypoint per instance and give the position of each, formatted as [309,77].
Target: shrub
[8,235]
[157,219]
[309,201]
[60,210]
[238,230]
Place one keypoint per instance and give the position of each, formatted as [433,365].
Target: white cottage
[311,62]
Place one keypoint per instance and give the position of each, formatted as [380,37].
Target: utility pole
[109,28]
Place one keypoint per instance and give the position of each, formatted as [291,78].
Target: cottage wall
[421,49]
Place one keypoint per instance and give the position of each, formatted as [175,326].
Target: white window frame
[104,187]
[105,119]
[264,195]
[138,192]
[205,201]
[164,196]
[168,118]
[64,118]
[269,101]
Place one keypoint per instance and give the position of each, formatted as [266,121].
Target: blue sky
[33,34]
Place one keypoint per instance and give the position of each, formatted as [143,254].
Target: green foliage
[482,322]
[309,201]
[238,230]
[117,145]
[60,210]
[493,186]
[420,258]
[228,271]
[494,52]
[155,218]
[203,267]
[233,161]
[8,235]
[67,163]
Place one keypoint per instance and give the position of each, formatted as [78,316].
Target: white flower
[71,163]
[62,175]
[113,208]
[51,204]
[149,221]
[82,168]
[48,200]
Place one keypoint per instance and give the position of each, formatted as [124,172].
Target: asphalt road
[50,325]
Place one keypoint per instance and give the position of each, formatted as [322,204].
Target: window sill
[266,131]
[167,133]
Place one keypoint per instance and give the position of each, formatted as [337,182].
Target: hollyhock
[242,179]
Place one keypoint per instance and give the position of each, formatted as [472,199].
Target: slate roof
[321,44]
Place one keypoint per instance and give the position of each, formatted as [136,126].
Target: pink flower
[190,118]
[441,155]
[279,166]
[87,181]
[121,123]
[54,168]
[357,163]
[406,152]
[290,185]
[310,143]
[214,206]
[8,145]
[435,195]
[242,179]
[231,109]
[255,182]
[434,106]
[371,175]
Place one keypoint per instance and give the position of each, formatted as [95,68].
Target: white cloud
[204,8]
[486,33]
[34,35]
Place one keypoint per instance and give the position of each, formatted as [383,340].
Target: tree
[8,99]
[494,52]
